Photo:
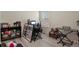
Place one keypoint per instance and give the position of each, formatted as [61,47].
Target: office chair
[36,32]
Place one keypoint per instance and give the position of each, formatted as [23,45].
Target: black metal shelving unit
[10,29]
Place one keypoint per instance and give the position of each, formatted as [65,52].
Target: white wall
[55,18]
[12,16]
[0,27]
[63,18]
[0,16]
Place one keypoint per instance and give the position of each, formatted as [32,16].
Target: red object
[7,32]
[11,45]
[3,44]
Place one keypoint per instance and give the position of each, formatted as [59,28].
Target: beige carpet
[47,42]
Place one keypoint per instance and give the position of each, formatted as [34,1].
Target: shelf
[9,28]
[18,30]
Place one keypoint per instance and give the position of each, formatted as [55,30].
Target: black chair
[36,34]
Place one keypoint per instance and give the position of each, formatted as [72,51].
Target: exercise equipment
[64,36]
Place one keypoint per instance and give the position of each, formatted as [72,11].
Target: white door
[43,16]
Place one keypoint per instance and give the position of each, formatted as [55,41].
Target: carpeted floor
[47,42]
